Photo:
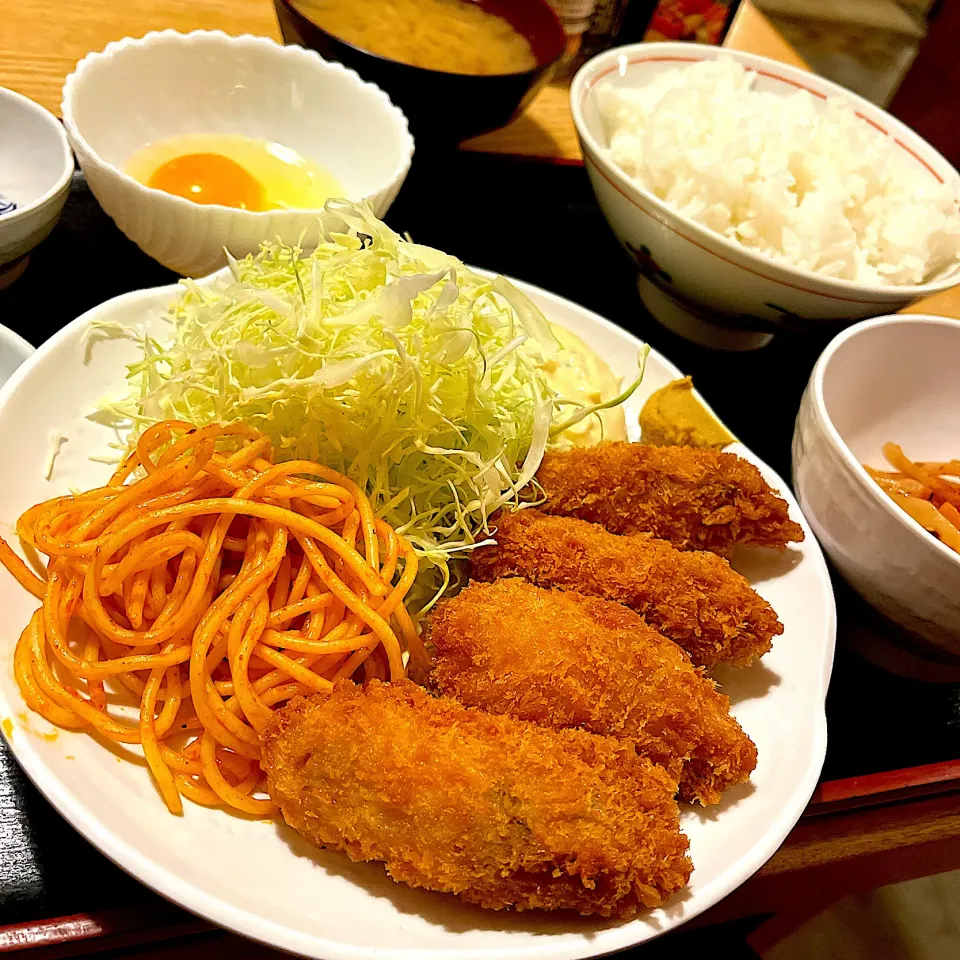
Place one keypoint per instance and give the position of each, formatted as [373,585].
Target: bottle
[604,26]
[575,15]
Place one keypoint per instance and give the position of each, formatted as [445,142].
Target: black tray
[540,223]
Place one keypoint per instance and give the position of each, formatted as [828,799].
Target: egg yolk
[209,178]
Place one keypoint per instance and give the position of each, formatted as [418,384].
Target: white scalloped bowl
[138,91]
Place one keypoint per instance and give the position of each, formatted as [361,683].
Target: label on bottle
[574,14]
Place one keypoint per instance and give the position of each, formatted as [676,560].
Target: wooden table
[41,41]
[855,835]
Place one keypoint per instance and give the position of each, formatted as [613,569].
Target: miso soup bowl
[446,107]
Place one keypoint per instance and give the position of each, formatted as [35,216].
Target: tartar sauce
[578,374]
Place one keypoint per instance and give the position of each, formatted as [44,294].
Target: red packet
[700,21]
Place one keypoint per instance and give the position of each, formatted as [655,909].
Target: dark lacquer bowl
[446,107]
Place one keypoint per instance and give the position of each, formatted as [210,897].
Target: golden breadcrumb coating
[693,597]
[696,499]
[502,812]
[565,660]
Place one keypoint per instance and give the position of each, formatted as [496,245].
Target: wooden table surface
[41,41]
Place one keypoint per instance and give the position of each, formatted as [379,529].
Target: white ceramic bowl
[35,169]
[168,83]
[890,379]
[695,281]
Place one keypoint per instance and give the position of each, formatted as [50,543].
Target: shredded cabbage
[386,360]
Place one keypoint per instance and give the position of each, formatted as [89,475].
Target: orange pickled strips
[951,513]
[941,467]
[905,485]
[930,518]
[898,459]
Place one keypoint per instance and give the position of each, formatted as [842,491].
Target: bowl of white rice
[756,197]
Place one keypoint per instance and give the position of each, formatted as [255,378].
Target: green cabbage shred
[386,360]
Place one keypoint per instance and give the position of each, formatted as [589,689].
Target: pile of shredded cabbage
[389,361]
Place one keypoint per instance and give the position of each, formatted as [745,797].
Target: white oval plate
[260,879]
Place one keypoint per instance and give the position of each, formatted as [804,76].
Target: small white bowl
[35,169]
[139,91]
[695,281]
[889,379]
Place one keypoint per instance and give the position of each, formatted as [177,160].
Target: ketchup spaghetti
[205,585]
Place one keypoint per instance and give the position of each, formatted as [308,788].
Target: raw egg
[233,171]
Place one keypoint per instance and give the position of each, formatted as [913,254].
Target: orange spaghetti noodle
[181,608]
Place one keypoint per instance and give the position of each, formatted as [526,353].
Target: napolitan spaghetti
[213,588]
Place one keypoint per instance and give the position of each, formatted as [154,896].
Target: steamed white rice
[804,182]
